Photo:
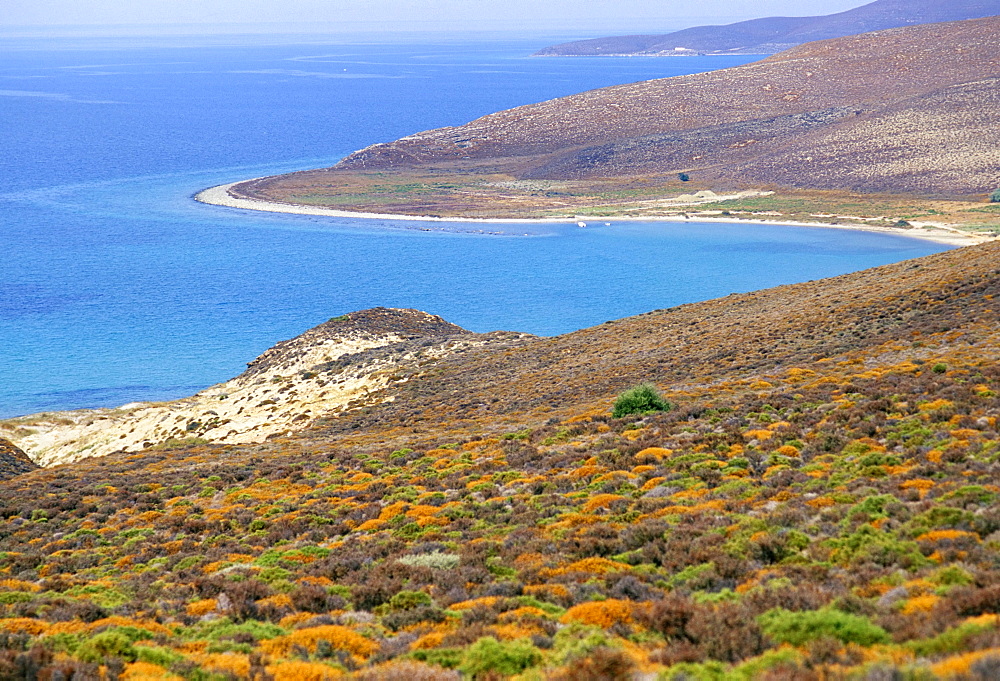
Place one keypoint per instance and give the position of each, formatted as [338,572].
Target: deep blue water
[118,287]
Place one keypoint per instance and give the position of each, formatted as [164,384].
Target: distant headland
[892,129]
[773,34]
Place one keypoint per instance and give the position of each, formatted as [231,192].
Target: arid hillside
[773,34]
[905,111]
[817,499]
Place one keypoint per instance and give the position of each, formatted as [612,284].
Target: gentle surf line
[220,196]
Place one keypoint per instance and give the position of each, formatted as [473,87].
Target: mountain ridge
[769,35]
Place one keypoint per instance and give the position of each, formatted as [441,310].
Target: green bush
[106,645]
[407,600]
[642,399]
[995,196]
[488,655]
[798,628]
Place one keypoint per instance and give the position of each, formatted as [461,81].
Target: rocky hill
[905,111]
[339,365]
[818,500]
[774,34]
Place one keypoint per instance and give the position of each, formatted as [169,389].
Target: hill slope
[820,502]
[910,110]
[330,368]
[13,461]
[774,34]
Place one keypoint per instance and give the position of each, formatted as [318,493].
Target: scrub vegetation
[831,516]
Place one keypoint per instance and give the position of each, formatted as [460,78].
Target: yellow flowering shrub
[600,613]
[339,637]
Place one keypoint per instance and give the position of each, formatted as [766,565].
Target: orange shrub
[303,671]
[600,613]
[600,501]
[920,604]
[787,450]
[276,601]
[295,619]
[24,625]
[526,612]
[141,671]
[653,454]
[959,665]
[651,483]
[593,565]
[947,535]
[547,591]
[202,607]
[340,638]
[586,471]
[485,601]
[223,663]
[432,640]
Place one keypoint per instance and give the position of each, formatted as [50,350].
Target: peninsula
[774,34]
[886,128]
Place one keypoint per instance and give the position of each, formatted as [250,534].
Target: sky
[599,16]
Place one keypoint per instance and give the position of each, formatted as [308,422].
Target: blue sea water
[117,286]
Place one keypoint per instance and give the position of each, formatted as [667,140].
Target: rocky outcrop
[346,363]
[13,461]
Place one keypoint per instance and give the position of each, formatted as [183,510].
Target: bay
[118,287]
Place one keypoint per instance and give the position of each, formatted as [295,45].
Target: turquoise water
[117,286]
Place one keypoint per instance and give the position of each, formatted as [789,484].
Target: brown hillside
[886,311]
[909,110]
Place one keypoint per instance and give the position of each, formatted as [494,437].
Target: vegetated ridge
[774,34]
[821,500]
[910,111]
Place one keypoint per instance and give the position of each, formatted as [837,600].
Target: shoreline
[220,196]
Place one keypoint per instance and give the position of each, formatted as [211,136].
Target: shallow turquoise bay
[117,286]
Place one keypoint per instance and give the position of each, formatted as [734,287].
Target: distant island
[892,129]
[774,34]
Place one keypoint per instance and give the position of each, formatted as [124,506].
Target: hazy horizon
[186,17]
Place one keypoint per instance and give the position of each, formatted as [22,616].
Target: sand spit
[930,231]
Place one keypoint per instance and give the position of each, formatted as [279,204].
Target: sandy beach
[220,196]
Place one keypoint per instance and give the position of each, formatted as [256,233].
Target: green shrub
[157,655]
[949,642]
[642,399]
[449,658]
[107,644]
[488,655]
[798,628]
[995,196]
[407,600]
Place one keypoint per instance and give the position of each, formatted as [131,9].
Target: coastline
[220,196]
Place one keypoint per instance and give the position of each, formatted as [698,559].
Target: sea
[117,286]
